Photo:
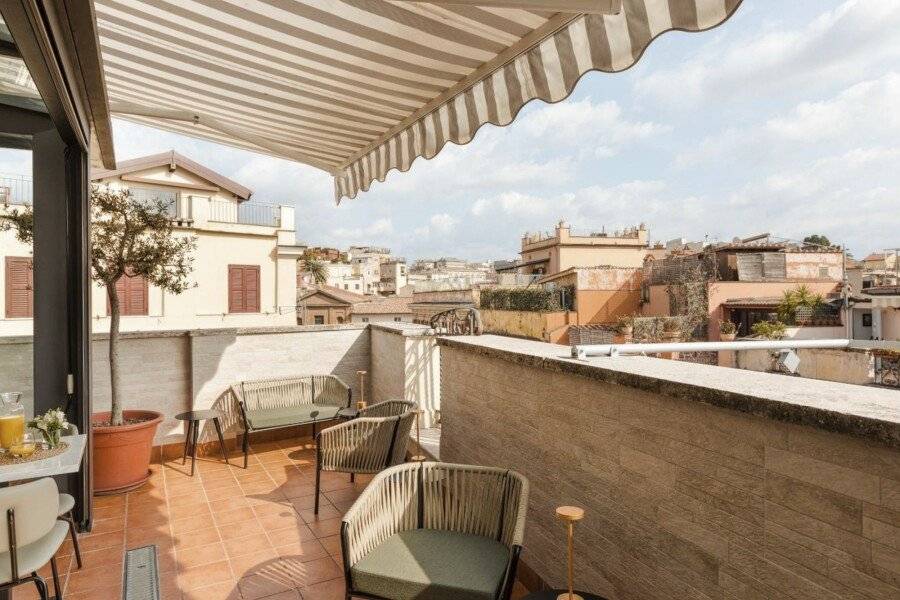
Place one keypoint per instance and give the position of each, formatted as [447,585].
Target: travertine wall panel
[683,499]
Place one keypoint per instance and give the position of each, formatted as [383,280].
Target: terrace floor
[226,533]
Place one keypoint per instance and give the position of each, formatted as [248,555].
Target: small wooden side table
[193,419]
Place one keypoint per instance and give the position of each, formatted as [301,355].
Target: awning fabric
[360,87]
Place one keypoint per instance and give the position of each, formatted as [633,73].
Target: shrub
[770,330]
[527,299]
[727,327]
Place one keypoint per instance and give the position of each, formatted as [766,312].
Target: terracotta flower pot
[121,455]
[727,337]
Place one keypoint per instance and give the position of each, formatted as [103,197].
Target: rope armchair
[388,408]
[366,444]
[435,530]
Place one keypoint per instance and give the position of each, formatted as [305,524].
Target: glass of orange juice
[12,427]
[24,446]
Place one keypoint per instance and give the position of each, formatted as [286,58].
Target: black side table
[554,594]
[193,430]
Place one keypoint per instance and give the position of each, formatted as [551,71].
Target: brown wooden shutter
[133,295]
[243,288]
[19,287]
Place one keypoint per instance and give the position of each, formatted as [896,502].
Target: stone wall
[406,364]
[176,371]
[684,499]
[846,366]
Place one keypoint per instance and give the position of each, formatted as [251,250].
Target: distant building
[543,254]
[244,262]
[743,282]
[326,305]
[393,276]
[876,314]
[395,309]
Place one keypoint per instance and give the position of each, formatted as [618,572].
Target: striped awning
[360,87]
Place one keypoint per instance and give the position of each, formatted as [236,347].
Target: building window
[398,319]
[133,296]
[243,288]
[346,286]
[867,319]
[340,320]
[823,272]
[356,286]
[365,319]
[319,319]
[19,287]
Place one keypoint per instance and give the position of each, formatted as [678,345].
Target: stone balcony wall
[699,482]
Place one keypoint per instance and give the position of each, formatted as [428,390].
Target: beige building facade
[244,262]
[543,254]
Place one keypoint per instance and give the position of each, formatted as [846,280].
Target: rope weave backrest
[329,391]
[464,499]
[387,506]
[277,393]
[388,408]
[357,446]
[401,439]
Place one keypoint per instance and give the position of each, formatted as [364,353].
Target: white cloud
[833,48]
[440,224]
[365,234]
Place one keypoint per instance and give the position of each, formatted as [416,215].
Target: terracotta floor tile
[240,529]
[304,551]
[101,540]
[261,586]
[332,544]
[93,579]
[106,557]
[111,591]
[237,515]
[249,564]
[225,492]
[197,522]
[217,591]
[247,545]
[196,538]
[326,511]
[205,575]
[282,508]
[147,518]
[179,510]
[333,589]
[108,512]
[226,504]
[325,527]
[200,555]
[109,501]
[290,535]
[287,518]
[308,502]
[141,536]
[108,525]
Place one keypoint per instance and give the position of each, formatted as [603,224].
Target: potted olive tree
[129,238]
[727,331]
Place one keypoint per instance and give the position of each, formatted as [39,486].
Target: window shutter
[133,295]
[19,288]
[243,288]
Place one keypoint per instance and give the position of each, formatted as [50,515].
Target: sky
[785,120]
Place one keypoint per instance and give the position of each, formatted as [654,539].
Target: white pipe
[617,349]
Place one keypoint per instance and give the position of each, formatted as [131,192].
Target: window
[398,319]
[340,320]
[356,285]
[153,195]
[867,319]
[365,319]
[243,288]
[346,286]
[320,319]
[133,296]
[823,272]
[19,287]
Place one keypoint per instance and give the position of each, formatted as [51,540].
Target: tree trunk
[115,377]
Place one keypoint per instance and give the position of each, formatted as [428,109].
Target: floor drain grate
[141,580]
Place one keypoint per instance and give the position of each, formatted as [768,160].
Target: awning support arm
[175,114]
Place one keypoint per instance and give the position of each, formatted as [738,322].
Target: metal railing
[589,350]
[16,189]
[222,211]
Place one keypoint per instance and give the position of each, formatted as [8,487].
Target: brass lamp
[418,457]
[570,515]
[361,404]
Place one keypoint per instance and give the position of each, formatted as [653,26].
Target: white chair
[67,505]
[30,535]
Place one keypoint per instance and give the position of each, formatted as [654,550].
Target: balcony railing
[268,215]
[16,189]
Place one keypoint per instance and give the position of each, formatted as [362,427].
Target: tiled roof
[875,256]
[336,293]
[384,306]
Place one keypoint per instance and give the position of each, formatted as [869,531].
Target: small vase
[51,438]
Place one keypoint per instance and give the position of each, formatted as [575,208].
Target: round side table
[554,594]
[193,419]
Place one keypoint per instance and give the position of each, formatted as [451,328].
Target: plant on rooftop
[817,240]
[312,264]
[770,330]
[799,300]
[688,297]
[528,299]
[129,238]
[727,327]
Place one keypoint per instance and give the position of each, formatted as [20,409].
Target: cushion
[66,503]
[35,555]
[264,418]
[432,564]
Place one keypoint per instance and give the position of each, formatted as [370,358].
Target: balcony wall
[699,482]
[406,364]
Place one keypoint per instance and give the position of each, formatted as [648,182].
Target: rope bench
[288,402]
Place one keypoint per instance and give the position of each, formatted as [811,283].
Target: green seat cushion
[433,565]
[264,418]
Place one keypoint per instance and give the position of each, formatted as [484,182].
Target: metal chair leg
[194,435]
[41,586]
[72,531]
[318,473]
[352,477]
[187,441]
[246,447]
[221,438]
[56,586]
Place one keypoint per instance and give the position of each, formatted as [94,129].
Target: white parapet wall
[406,364]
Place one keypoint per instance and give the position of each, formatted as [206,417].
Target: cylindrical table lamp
[570,515]
[361,404]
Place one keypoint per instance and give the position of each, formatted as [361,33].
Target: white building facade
[244,268]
